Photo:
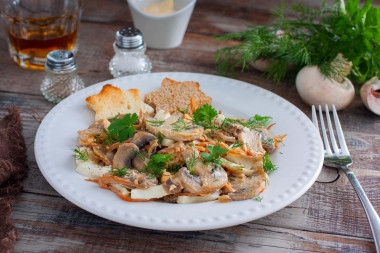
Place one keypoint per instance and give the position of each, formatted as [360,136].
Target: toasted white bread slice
[173,95]
[112,101]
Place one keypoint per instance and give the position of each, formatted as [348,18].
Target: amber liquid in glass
[39,36]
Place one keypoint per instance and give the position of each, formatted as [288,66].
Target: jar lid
[60,60]
[129,38]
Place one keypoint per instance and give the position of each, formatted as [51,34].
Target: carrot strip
[193,104]
[270,126]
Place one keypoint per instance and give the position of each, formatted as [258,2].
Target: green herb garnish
[119,172]
[237,144]
[180,125]
[204,116]
[258,198]
[184,111]
[160,137]
[268,166]
[121,129]
[215,155]
[311,37]
[79,155]
[155,123]
[256,121]
[157,164]
[190,163]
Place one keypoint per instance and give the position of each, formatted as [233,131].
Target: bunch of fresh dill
[311,37]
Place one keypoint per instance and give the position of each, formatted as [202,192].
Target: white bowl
[162,32]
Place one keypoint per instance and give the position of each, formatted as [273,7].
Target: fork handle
[373,217]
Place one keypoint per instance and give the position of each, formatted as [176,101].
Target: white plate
[299,160]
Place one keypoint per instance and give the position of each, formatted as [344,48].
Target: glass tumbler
[36,27]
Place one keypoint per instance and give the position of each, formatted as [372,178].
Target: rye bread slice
[173,95]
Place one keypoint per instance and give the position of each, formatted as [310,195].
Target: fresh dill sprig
[155,123]
[268,165]
[119,172]
[300,36]
[160,137]
[190,163]
[180,125]
[237,144]
[79,155]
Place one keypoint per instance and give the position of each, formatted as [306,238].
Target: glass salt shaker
[61,78]
[130,55]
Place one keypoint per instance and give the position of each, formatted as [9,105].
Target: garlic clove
[316,89]
[370,94]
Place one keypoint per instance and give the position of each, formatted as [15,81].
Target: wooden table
[328,218]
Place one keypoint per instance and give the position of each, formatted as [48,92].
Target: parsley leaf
[157,163]
[204,115]
[268,166]
[121,129]
[214,156]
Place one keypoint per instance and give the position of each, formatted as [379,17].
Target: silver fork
[339,157]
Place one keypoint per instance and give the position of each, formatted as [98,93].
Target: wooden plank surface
[328,218]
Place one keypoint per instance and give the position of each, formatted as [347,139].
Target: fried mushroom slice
[248,187]
[124,156]
[141,138]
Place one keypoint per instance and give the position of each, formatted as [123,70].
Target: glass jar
[61,78]
[129,58]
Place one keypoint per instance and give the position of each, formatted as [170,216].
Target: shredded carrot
[193,104]
[92,180]
[129,199]
[270,126]
[249,152]
[202,149]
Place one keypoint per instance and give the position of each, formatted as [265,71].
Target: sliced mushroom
[140,162]
[172,187]
[87,136]
[252,142]
[249,187]
[208,178]
[124,155]
[185,131]
[267,140]
[224,136]
[132,180]
[142,138]
[101,152]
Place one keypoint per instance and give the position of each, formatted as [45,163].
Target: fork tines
[339,133]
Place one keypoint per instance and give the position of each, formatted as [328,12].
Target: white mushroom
[315,89]
[370,94]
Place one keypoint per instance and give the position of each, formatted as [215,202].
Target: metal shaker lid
[61,60]
[129,38]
